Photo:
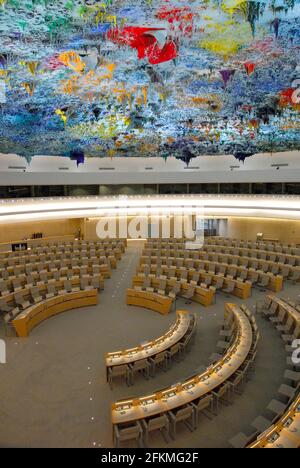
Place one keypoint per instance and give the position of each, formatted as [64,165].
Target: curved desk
[146,350]
[285,433]
[202,295]
[275,280]
[149,300]
[37,313]
[130,410]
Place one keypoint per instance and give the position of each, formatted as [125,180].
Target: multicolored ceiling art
[149,77]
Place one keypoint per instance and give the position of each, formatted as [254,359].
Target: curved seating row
[46,308]
[286,270]
[38,246]
[274,256]
[188,278]
[13,274]
[292,249]
[13,284]
[155,353]
[47,257]
[225,264]
[183,402]
[279,427]
[261,245]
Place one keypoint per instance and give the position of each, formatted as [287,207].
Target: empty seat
[229,288]
[35,294]
[119,371]
[189,294]
[17,286]
[142,367]
[132,432]
[184,415]
[203,404]
[159,423]
[21,301]
[4,288]
[51,291]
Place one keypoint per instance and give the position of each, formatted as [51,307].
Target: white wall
[45,170]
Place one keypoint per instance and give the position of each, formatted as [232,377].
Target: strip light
[283,207]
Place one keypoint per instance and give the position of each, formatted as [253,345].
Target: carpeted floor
[53,389]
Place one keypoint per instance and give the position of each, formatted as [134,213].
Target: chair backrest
[184,414]
[67,285]
[19,296]
[3,285]
[95,282]
[158,423]
[51,288]
[142,364]
[119,370]
[4,307]
[129,432]
[35,291]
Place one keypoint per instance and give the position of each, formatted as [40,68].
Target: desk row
[193,273]
[184,401]
[38,278]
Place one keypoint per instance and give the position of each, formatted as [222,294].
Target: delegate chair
[264,282]
[35,294]
[184,415]
[162,287]
[147,285]
[205,403]
[133,432]
[20,301]
[4,288]
[51,291]
[229,289]
[219,283]
[142,367]
[159,423]
[67,288]
[29,282]
[208,280]
[189,294]
[174,353]
[295,276]
[17,285]
[222,395]
[5,308]
[119,371]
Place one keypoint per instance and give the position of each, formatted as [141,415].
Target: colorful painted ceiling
[149,77]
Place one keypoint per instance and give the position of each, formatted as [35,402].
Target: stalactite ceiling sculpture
[149,77]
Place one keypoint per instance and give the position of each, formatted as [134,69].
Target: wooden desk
[149,349]
[202,296]
[149,300]
[131,410]
[37,313]
[285,433]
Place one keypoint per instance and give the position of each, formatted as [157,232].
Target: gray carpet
[53,390]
